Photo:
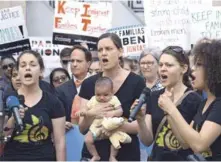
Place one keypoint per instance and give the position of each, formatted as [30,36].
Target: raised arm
[145,130]
[141,126]
[198,141]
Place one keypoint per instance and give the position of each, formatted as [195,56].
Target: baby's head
[104,89]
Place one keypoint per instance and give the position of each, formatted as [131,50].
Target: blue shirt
[5,83]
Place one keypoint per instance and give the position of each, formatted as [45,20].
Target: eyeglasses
[4,67]
[148,63]
[65,62]
[60,79]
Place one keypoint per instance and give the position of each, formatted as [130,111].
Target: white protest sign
[49,52]
[13,31]
[133,39]
[76,22]
[168,22]
[205,22]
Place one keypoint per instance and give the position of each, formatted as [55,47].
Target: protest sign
[77,22]
[49,52]
[205,22]
[168,22]
[133,39]
[13,31]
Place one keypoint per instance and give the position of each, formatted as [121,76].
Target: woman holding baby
[127,87]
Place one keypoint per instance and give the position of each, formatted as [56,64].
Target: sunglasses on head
[65,62]
[4,67]
[175,49]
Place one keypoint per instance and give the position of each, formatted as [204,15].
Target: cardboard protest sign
[13,31]
[133,39]
[77,22]
[205,22]
[168,22]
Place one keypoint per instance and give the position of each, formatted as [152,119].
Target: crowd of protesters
[180,119]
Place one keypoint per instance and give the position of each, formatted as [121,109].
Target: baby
[104,94]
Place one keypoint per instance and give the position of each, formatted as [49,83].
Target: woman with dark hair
[7,63]
[95,66]
[127,86]
[15,79]
[155,126]
[59,76]
[42,115]
[204,134]
[15,83]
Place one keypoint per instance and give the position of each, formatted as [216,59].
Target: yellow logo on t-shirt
[207,153]
[33,133]
[167,139]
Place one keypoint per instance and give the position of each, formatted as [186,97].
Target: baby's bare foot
[112,158]
[95,158]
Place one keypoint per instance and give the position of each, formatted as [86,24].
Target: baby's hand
[109,114]
[77,114]
[80,113]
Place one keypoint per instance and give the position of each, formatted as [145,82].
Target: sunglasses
[175,49]
[60,79]
[4,67]
[65,62]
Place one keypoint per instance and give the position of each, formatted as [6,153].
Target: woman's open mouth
[163,77]
[28,76]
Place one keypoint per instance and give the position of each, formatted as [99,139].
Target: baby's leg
[113,154]
[89,140]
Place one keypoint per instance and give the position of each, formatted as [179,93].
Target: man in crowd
[65,57]
[80,60]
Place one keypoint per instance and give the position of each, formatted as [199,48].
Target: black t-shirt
[35,143]
[166,146]
[10,91]
[128,92]
[213,114]
[45,86]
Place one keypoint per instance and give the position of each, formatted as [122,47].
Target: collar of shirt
[79,82]
[157,86]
